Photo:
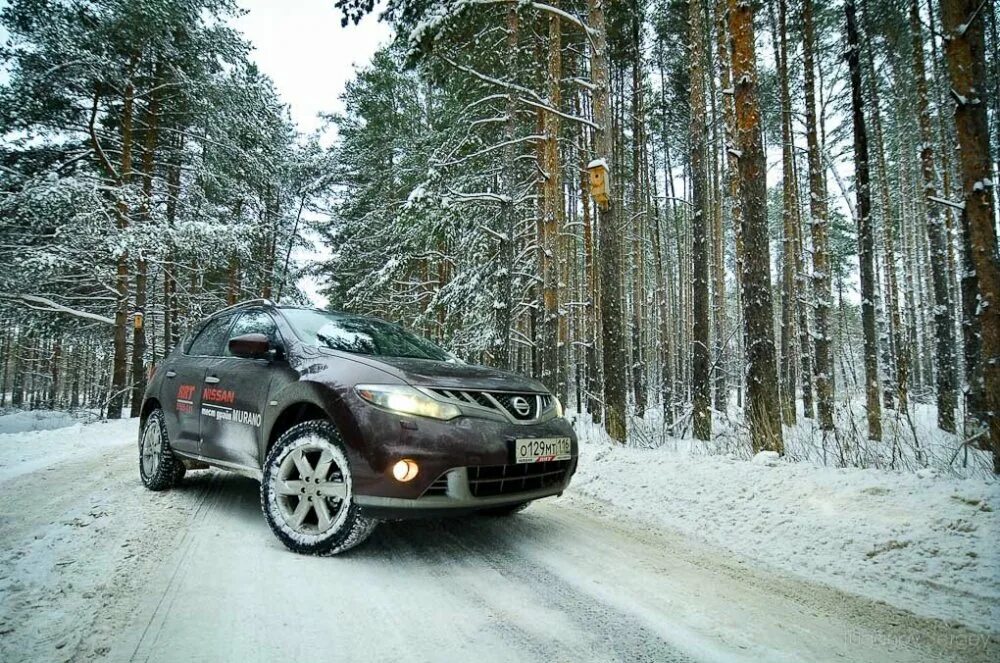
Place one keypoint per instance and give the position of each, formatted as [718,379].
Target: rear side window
[254,322]
[209,341]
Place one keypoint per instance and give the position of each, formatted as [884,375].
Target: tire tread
[165,476]
[356,528]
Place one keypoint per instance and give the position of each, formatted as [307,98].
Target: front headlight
[406,400]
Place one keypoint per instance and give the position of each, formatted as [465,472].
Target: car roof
[267,303]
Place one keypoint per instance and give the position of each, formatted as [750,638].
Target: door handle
[211,379]
[170,374]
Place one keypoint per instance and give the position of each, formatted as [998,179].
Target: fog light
[405,470]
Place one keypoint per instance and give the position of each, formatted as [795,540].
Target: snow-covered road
[93,566]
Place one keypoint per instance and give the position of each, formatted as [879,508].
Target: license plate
[542,449]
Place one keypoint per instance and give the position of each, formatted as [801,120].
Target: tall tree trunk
[763,407]
[54,375]
[118,374]
[700,359]
[665,269]
[233,269]
[552,213]
[947,399]
[727,169]
[17,380]
[145,213]
[272,222]
[505,312]
[170,322]
[900,355]
[592,376]
[818,211]
[662,309]
[866,235]
[609,233]
[963,25]
[967,287]
[639,216]
[791,255]
[732,165]
[5,353]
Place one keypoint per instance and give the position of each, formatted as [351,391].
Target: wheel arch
[305,401]
[148,406]
[292,414]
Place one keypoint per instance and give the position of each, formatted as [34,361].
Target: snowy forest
[759,225]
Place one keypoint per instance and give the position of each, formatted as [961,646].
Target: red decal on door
[213,395]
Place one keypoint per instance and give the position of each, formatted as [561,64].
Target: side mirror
[250,346]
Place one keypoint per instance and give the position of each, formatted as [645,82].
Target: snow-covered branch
[945,201]
[566,116]
[45,304]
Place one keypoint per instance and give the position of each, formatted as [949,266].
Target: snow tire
[346,527]
[157,463]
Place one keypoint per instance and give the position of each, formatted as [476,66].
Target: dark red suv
[347,420]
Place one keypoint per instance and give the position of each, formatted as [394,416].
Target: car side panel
[182,402]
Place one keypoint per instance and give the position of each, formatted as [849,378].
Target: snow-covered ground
[923,541]
[654,555]
[34,420]
[31,440]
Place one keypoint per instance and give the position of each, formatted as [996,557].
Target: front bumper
[453,495]
[444,451]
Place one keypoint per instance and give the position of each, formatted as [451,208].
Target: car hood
[452,375]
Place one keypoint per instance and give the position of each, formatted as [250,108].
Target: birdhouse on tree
[599,186]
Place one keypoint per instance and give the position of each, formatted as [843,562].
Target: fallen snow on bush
[925,542]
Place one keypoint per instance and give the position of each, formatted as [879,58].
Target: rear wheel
[306,492]
[157,463]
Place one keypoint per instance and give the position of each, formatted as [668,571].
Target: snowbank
[33,420]
[927,543]
[24,452]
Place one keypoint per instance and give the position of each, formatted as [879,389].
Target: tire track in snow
[207,499]
[622,635]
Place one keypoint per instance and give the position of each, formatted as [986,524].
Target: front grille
[490,480]
[521,406]
[439,487]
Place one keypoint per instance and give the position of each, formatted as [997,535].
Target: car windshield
[361,335]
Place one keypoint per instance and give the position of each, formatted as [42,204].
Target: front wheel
[158,467]
[306,492]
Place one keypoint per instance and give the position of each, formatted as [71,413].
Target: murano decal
[228,414]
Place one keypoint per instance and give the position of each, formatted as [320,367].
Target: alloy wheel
[152,449]
[310,489]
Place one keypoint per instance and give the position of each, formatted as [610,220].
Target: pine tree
[763,407]
[866,239]
[701,359]
[822,280]
[610,233]
[963,24]
[943,323]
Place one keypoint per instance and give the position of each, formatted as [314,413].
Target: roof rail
[249,302]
